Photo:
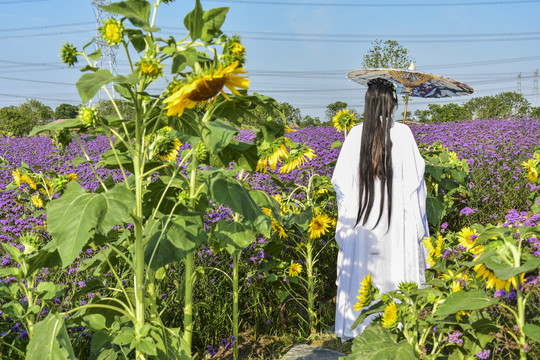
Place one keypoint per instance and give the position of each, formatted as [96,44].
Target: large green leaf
[377,343]
[212,21]
[233,236]
[464,301]
[50,341]
[435,209]
[502,269]
[244,154]
[229,191]
[170,345]
[194,21]
[137,11]
[173,238]
[532,331]
[77,215]
[89,84]
[219,136]
[55,126]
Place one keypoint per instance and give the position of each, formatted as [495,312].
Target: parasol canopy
[413,83]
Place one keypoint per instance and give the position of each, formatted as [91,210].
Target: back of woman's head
[376,147]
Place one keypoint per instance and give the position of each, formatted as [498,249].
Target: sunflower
[344,120]
[279,229]
[459,280]
[365,293]
[493,281]
[320,225]
[112,31]
[162,145]
[31,182]
[434,252]
[169,150]
[297,158]
[390,317]
[36,200]
[271,154]
[295,269]
[530,166]
[16,176]
[72,177]
[467,237]
[203,86]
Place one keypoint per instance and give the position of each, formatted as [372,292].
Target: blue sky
[298,51]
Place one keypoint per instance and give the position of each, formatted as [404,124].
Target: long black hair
[376,148]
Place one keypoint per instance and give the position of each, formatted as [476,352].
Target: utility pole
[108,53]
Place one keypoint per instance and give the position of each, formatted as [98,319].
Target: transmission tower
[519,83]
[108,53]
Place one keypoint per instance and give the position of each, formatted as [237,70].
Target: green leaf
[86,213]
[213,20]
[13,308]
[233,236]
[336,144]
[220,135]
[182,59]
[50,340]
[137,11]
[229,191]
[95,321]
[435,209]
[89,84]
[502,269]
[48,290]
[377,343]
[55,126]
[124,337]
[169,344]
[532,331]
[173,238]
[101,347]
[194,21]
[464,301]
[485,326]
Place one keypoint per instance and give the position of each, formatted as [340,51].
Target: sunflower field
[183,233]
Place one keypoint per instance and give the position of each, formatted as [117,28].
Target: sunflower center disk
[206,89]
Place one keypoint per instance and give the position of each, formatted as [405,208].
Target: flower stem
[236,261]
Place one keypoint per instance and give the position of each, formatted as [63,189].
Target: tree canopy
[388,54]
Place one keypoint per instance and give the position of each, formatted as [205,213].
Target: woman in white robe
[391,249]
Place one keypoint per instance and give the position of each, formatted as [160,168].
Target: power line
[47,26]
[20,2]
[414,4]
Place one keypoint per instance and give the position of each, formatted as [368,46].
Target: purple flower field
[493,148]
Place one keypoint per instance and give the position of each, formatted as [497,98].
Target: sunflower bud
[88,116]
[150,67]
[112,31]
[68,53]
[201,152]
[234,51]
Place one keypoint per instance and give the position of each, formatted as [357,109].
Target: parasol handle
[407,91]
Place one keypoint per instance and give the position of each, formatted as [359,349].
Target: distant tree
[334,108]
[66,111]
[13,122]
[388,54]
[500,105]
[292,114]
[106,108]
[535,111]
[448,112]
[36,113]
[309,121]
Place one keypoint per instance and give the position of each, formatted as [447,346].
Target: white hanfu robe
[391,256]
